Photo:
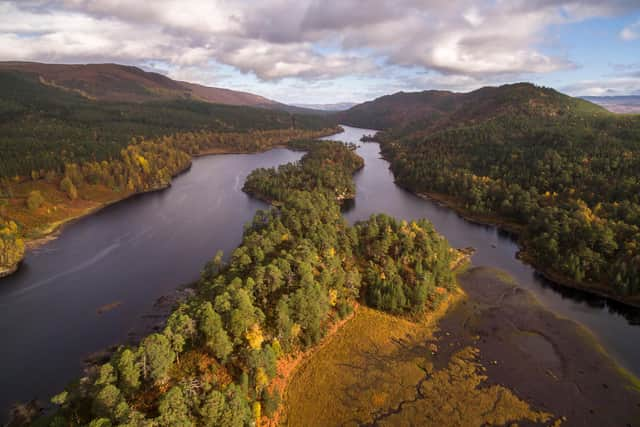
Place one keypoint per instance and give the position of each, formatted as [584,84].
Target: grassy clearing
[365,368]
[57,207]
[378,368]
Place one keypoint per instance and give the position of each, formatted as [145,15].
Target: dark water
[132,252]
[143,248]
[617,327]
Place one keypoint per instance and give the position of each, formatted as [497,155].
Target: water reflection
[615,324]
[131,252]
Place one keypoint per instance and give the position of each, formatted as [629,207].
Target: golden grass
[456,396]
[57,208]
[364,367]
[378,364]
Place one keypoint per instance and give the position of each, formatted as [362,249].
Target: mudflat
[554,364]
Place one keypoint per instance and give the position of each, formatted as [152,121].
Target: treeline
[142,166]
[300,267]
[149,164]
[571,181]
[42,127]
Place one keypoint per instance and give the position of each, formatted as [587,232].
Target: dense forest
[561,171]
[57,142]
[43,127]
[30,204]
[299,269]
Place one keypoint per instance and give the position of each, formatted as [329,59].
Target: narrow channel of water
[130,253]
[617,326]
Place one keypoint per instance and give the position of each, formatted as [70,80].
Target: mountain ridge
[437,108]
[124,83]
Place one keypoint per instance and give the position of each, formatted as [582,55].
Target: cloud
[615,86]
[463,41]
[631,32]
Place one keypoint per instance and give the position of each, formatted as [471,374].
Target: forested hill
[434,109]
[43,126]
[562,171]
[67,150]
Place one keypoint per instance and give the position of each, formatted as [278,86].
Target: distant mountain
[122,83]
[436,109]
[617,104]
[341,106]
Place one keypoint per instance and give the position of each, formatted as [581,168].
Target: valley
[372,180]
[319,213]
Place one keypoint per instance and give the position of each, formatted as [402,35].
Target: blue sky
[320,51]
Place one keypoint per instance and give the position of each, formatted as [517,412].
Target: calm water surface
[132,252]
[147,246]
[617,327]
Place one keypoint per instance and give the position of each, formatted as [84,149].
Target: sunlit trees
[173,410]
[157,357]
[299,268]
[67,186]
[11,245]
[180,329]
[128,371]
[212,331]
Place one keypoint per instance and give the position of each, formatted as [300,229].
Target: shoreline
[522,254]
[53,230]
[553,364]
[10,270]
[515,230]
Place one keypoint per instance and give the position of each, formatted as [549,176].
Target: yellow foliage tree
[333,297]
[261,379]
[254,337]
[257,412]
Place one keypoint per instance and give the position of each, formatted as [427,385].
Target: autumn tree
[34,200]
[67,186]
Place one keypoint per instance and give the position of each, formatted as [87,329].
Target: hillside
[434,109]
[218,95]
[122,83]
[65,153]
[43,126]
[560,171]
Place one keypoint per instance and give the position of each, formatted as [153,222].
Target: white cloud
[631,32]
[614,86]
[306,39]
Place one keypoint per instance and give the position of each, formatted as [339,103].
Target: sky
[315,51]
